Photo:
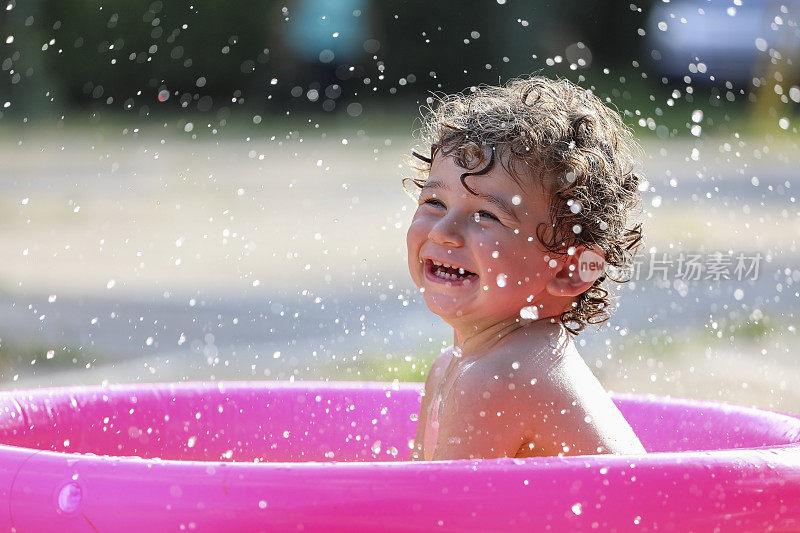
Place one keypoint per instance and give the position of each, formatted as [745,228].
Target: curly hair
[565,137]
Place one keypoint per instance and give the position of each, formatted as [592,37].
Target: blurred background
[212,191]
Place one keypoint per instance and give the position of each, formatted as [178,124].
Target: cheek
[484,243]
[496,249]
[415,233]
[523,262]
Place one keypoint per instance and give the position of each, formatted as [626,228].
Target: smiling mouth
[448,273]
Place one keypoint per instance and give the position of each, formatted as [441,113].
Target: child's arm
[434,375]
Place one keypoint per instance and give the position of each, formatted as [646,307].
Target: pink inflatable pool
[278,456]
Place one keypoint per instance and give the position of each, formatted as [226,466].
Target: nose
[447,232]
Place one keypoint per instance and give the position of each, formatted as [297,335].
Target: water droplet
[354,109]
[70,497]
[501,280]
[516,199]
[738,294]
[326,56]
[577,509]
[262,504]
[530,312]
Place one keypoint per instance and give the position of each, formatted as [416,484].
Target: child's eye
[485,214]
[434,202]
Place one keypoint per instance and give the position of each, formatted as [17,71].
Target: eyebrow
[501,204]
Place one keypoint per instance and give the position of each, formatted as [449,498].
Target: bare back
[530,395]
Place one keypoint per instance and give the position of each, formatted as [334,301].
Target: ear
[577,273]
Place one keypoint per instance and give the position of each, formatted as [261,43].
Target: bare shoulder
[545,389]
[435,374]
[437,370]
[442,360]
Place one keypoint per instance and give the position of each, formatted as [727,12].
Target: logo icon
[590,265]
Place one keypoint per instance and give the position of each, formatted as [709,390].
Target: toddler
[523,217]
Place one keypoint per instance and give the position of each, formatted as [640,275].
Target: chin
[443,306]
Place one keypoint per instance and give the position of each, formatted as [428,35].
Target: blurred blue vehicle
[724,39]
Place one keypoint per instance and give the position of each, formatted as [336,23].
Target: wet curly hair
[562,135]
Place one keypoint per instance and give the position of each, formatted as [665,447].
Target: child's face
[492,236]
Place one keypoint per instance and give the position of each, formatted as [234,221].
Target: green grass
[733,332]
[39,358]
[413,368]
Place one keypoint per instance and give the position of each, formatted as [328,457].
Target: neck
[472,335]
[486,337]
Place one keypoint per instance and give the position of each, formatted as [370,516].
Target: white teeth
[445,275]
[437,263]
